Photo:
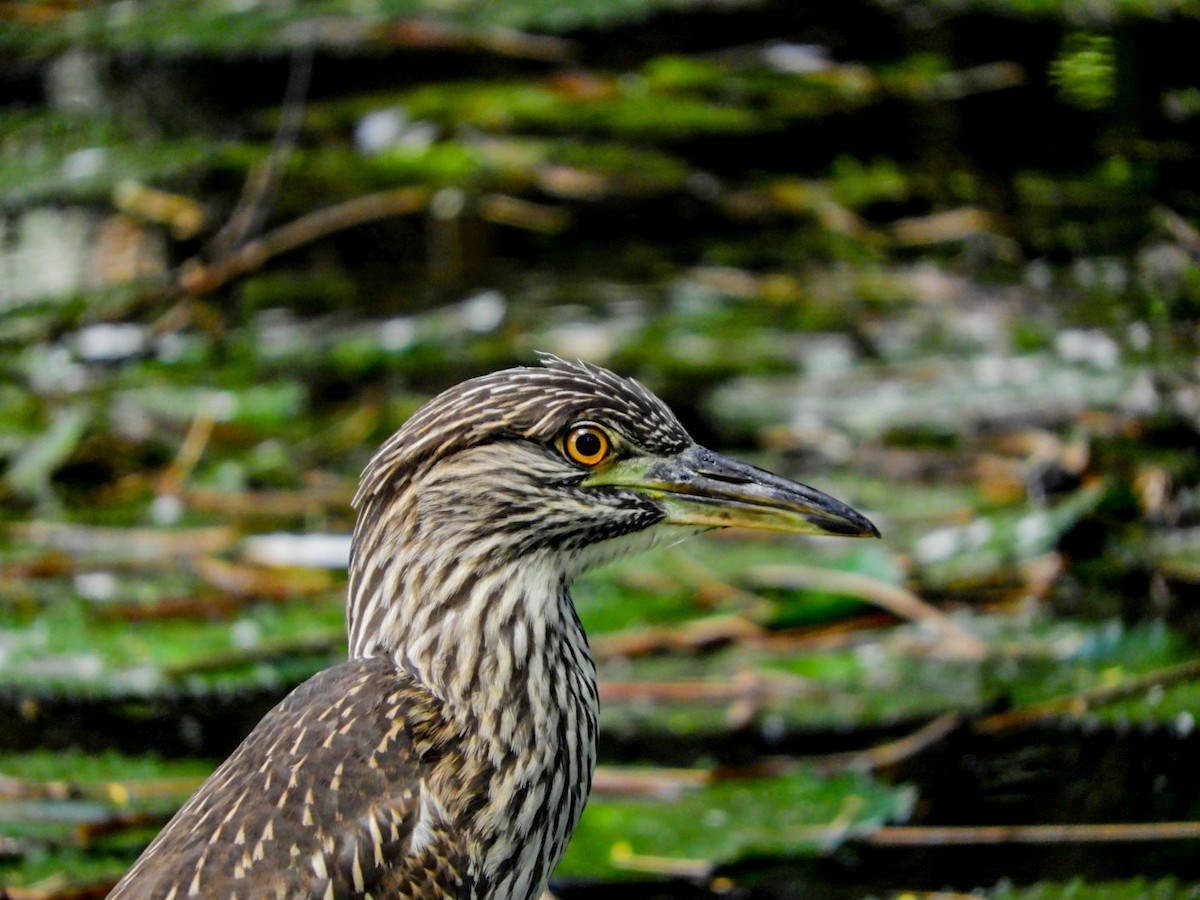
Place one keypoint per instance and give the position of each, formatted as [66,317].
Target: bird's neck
[488,635]
[501,648]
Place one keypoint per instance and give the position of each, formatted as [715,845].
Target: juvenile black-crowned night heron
[452,755]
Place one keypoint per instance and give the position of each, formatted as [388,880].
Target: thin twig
[120,793]
[662,784]
[897,600]
[267,582]
[622,857]
[893,752]
[198,278]
[280,504]
[759,685]
[190,451]
[129,545]
[827,636]
[57,887]
[262,182]
[1184,232]
[934,836]
[1078,704]
[698,634]
[711,590]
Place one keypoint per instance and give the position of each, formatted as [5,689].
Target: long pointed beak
[700,487]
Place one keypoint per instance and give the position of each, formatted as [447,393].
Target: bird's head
[560,466]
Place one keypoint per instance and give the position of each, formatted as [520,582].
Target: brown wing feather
[326,798]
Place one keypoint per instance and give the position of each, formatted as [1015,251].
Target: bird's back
[327,798]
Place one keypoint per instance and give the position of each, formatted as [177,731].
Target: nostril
[725,477]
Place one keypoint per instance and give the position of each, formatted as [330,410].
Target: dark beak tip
[856,527]
[869,530]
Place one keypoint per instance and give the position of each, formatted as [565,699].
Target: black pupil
[588,444]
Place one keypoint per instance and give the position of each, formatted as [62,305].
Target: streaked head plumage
[486,485]
[531,403]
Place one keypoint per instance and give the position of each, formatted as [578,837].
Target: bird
[450,757]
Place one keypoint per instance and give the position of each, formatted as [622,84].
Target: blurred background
[940,258]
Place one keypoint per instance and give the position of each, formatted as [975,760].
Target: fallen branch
[696,635]
[197,278]
[190,451]
[432,33]
[712,591]
[622,857]
[1184,232]
[159,546]
[263,180]
[962,835]
[50,564]
[826,636]
[660,784]
[883,755]
[310,502]
[1078,704]
[897,600]
[94,891]
[754,684]
[263,582]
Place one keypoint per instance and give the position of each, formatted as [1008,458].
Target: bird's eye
[587,445]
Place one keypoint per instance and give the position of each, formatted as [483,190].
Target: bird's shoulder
[328,797]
